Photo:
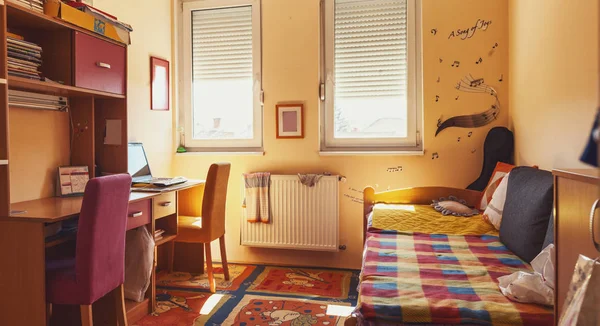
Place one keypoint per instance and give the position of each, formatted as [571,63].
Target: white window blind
[370,48]
[372,75]
[222,61]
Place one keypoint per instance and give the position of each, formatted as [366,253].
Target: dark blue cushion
[527,210]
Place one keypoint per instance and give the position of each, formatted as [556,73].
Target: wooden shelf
[24,84]
[166,238]
[136,310]
[21,17]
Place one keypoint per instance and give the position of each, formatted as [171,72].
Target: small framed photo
[159,84]
[290,121]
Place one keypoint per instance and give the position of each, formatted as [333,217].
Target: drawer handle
[592,219]
[136,214]
[103,65]
[165,204]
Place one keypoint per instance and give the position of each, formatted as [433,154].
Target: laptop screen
[137,164]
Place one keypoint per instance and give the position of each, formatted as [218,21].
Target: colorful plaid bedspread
[440,279]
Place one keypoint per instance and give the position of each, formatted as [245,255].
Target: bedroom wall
[554,84]
[291,73]
[151,36]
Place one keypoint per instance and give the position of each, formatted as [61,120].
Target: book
[23,75]
[15,36]
[23,43]
[24,57]
[24,62]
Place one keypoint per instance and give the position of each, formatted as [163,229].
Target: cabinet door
[574,203]
[99,65]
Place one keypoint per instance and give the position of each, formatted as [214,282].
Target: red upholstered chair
[98,267]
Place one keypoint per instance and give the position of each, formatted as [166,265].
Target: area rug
[324,283]
[261,310]
[181,308]
[257,295]
[237,273]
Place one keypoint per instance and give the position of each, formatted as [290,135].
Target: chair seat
[190,230]
[190,222]
[61,285]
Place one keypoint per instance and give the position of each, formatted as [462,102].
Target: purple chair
[99,264]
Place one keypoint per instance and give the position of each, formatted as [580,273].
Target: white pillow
[494,209]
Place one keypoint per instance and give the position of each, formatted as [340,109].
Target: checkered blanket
[415,278]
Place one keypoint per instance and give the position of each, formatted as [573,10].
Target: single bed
[423,268]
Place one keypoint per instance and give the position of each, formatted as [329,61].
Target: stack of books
[35,5]
[24,58]
[158,234]
[28,100]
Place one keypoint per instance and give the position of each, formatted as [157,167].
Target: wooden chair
[211,225]
[98,267]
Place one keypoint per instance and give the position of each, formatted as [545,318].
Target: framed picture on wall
[159,84]
[290,121]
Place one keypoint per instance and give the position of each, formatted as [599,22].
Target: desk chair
[211,225]
[99,264]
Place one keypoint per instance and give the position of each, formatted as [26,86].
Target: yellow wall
[291,73]
[553,79]
[151,36]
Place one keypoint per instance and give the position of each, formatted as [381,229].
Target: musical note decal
[437,98]
[478,86]
[441,60]
[459,139]
[501,78]
[479,61]
[438,80]
[456,64]
[493,50]
[473,151]
[470,134]
[395,169]
[435,155]
[439,123]
[434,31]
[457,97]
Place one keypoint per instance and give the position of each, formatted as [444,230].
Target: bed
[422,268]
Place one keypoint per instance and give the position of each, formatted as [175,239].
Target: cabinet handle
[592,219]
[165,204]
[136,214]
[103,65]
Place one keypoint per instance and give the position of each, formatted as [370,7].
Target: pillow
[500,172]
[493,212]
[549,239]
[527,210]
[453,206]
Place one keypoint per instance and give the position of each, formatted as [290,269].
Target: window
[222,75]
[372,76]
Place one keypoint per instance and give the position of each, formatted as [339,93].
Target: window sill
[372,153]
[259,153]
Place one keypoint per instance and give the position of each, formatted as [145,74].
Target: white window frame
[413,144]
[186,120]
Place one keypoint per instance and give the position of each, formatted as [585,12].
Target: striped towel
[256,199]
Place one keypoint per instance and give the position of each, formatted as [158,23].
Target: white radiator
[302,217]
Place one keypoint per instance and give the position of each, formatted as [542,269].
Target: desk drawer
[140,213]
[99,65]
[165,205]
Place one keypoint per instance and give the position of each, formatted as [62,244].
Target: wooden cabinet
[99,64]
[575,192]
[164,205]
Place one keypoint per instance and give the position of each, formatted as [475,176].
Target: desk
[23,248]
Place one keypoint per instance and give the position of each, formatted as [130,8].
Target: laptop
[141,176]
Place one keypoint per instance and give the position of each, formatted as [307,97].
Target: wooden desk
[23,248]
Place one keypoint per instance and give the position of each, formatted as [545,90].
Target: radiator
[302,217]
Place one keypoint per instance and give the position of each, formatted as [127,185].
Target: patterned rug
[255,295]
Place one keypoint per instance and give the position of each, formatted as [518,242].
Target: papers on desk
[72,180]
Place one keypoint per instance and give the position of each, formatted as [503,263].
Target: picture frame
[72,180]
[289,121]
[159,84]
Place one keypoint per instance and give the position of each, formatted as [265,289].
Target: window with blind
[222,80]
[371,78]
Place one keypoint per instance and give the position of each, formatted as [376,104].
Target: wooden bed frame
[417,196]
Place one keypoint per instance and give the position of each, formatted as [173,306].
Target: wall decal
[470,134]
[434,31]
[457,97]
[435,155]
[438,80]
[501,78]
[441,60]
[395,169]
[493,50]
[437,98]
[458,139]
[439,123]
[456,64]
[473,151]
[472,85]
[354,199]
[479,61]
[469,32]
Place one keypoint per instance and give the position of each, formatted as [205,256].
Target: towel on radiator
[309,179]
[256,199]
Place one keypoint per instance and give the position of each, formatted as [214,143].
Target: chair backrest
[213,202]
[100,253]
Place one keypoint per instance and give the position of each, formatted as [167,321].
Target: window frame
[413,144]
[186,115]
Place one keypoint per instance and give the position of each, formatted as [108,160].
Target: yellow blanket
[425,219]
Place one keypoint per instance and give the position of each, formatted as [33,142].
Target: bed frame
[417,196]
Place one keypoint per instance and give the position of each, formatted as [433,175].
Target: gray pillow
[549,233]
[527,210]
